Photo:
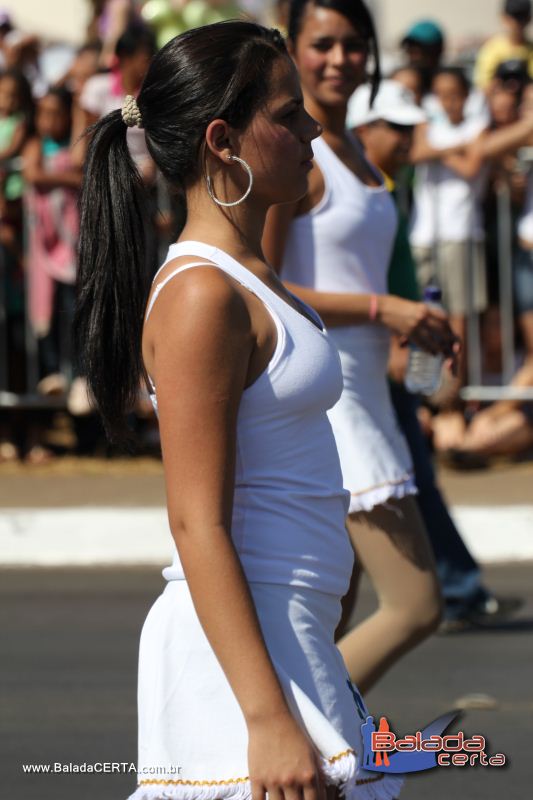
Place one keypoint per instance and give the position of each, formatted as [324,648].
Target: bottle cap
[432,294]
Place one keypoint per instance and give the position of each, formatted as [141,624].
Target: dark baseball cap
[518,9]
[512,70]
[424,32]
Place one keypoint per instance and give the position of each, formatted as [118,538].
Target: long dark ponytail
[360,17]
[220,70]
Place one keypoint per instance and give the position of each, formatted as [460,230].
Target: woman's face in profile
[277,143]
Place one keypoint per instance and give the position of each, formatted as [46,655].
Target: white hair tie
[130,112]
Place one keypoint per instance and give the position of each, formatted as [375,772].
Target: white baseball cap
[393,103]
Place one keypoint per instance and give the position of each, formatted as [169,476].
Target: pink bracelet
[373,308]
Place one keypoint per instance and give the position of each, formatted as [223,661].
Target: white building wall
[463,20]
[57,20]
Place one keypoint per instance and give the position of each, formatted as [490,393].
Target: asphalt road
[68,685]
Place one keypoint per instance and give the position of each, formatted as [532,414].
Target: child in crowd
[53,179]
[512,43]
[106,92]
[412,79]
[511,128]
[447,229]
[16,107]
[16,112]
[83,67]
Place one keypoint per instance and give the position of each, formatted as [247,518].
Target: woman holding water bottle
[333,249]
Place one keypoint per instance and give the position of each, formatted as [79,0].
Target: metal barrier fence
[475,390]
[30,398]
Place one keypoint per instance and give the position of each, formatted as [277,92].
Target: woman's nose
[337,55]
[313,129]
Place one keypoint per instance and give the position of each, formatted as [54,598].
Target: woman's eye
[291,113]
[356,46]
[322,47]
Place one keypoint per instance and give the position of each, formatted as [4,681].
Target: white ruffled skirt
[375,459]
[193,738]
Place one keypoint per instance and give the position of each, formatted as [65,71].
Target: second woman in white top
[333,249]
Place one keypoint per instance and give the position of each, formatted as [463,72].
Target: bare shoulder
[200,289]
[202,304]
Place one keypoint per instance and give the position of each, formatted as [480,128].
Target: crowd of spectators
[472,148]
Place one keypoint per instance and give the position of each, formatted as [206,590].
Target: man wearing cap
[424,46]
[513,44]
[386,131]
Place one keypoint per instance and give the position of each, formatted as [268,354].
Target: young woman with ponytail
[242,691]
[333,248]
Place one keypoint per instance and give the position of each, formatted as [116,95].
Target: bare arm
[119,16]
[199,359]
[35,174]
[427,327]
[16,144]
[503,141]
[422,150]
[467,163]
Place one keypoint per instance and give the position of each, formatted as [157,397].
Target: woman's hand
[426,327]
[282,761]
[398,360]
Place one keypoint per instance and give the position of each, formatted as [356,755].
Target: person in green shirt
[386,132]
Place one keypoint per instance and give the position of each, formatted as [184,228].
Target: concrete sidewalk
[139,482]
[89,511]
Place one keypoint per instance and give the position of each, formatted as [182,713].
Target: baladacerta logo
[426,749]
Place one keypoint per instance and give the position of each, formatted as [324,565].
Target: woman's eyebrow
[294,101]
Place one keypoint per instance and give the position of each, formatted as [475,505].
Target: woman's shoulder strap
[168,278]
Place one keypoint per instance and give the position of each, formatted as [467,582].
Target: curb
[86,536]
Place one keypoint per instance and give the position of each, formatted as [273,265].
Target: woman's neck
[237,230]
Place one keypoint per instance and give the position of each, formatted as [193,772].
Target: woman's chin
[297,190]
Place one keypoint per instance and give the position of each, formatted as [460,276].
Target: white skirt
[375,459]
[193,738]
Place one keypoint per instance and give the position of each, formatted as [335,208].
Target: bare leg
[506,434]
[392,546]
[526,326]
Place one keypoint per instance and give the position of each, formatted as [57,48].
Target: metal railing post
[473,334]
[4,368]
[505,272]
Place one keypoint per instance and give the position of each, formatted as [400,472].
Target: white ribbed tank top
[344,244]
[289,505]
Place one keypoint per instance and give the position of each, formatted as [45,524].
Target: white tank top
[344,244]
[289,506]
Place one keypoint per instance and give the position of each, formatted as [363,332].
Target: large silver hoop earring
[248,169]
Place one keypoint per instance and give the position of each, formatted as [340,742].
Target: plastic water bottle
[424,371]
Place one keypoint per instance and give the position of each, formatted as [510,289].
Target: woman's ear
[217,140]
